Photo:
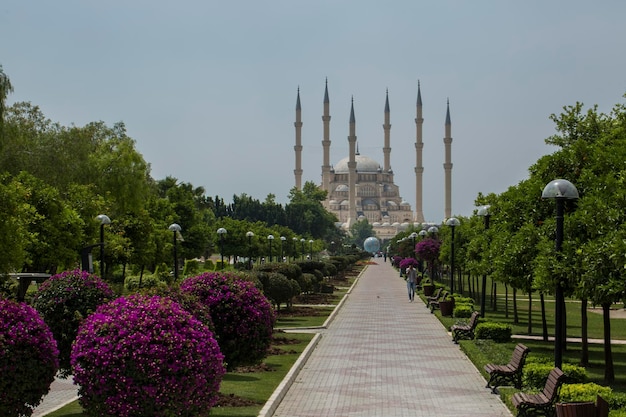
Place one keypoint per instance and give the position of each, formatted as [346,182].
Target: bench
[466,330]
[511,372]
[434,304]
[531,405]
[433,297]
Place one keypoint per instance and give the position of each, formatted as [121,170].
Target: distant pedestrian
[411,278]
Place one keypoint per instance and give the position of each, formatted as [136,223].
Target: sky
[208,89]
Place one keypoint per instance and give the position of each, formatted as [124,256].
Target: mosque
[360,188]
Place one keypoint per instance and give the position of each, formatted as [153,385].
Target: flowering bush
[64,300]
[408,261]
[396,260]
[242,315]
[190,302]
[28,359]
[146,356]
[428,249]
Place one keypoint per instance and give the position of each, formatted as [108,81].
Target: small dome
[391,203]
[404,203]
[342,187]
[395,224]
[386,224]
[363,164]
[376,224]
[332,202]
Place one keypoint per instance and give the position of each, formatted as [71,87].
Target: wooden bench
[509,373]
[532,405]
[465,330]
[434,304]
[433,297]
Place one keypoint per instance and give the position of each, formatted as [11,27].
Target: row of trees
[518,248]
[56,179]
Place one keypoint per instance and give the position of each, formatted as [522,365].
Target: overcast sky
[208,89]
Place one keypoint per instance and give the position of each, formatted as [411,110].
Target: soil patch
[231,400]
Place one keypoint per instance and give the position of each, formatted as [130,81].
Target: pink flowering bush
[404,263]
[146,356]
[64,301]
[243,317]
[428,249]
[28,359]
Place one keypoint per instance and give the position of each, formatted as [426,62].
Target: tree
[359,231]
[5,89]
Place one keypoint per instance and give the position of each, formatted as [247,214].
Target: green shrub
[279,289]
[192,266]
[498,332]
[147,281]
[536,373]
[463,310]
[583,392]
[463,300]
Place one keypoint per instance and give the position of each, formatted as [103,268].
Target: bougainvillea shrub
[28,359]
[146,356]
[404,264]
[428,249]
[243,317]
[64,300]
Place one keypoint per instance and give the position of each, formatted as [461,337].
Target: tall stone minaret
[352,168]
[419,168]
[447,166]
[298,148]
[326,142]
[387,129]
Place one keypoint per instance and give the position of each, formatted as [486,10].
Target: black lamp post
[484,211]
[175,228]
[221,232]
[103,219]
[302,242]
[282,248]
[311,248]
[332,247]
[560,190]
[295,248]
[453,222]
[270,238]
[249,236]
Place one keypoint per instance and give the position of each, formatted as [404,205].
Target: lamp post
[332,247]
[282,248]
[413,236]
[221,232]
[249,236]
[103,219]
[453,222]
[311,248]
[270,238]
[175,228]
[560,190]
[302,244]
[484,211]
[295,248]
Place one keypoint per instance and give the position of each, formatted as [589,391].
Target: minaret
[387,129]
[447,166]
[352,168]
[419,169]
[298,148]
[326,142]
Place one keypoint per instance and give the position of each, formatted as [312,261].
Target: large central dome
[363,164]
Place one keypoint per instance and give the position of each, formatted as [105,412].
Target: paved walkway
[385,356]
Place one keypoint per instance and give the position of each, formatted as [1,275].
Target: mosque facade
[358,187]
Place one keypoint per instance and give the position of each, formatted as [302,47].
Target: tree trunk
[494,296]
[530,312]
[609,372]
[506,301]
[515,315]
[544,322]
[584,322]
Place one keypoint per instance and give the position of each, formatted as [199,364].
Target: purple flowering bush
[28,359]
[428,249]
[404,263]
[243,317]
[64,301]
[146,356]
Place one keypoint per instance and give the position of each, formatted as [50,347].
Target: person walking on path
[411,278]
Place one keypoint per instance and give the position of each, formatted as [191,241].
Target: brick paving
[385,356]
